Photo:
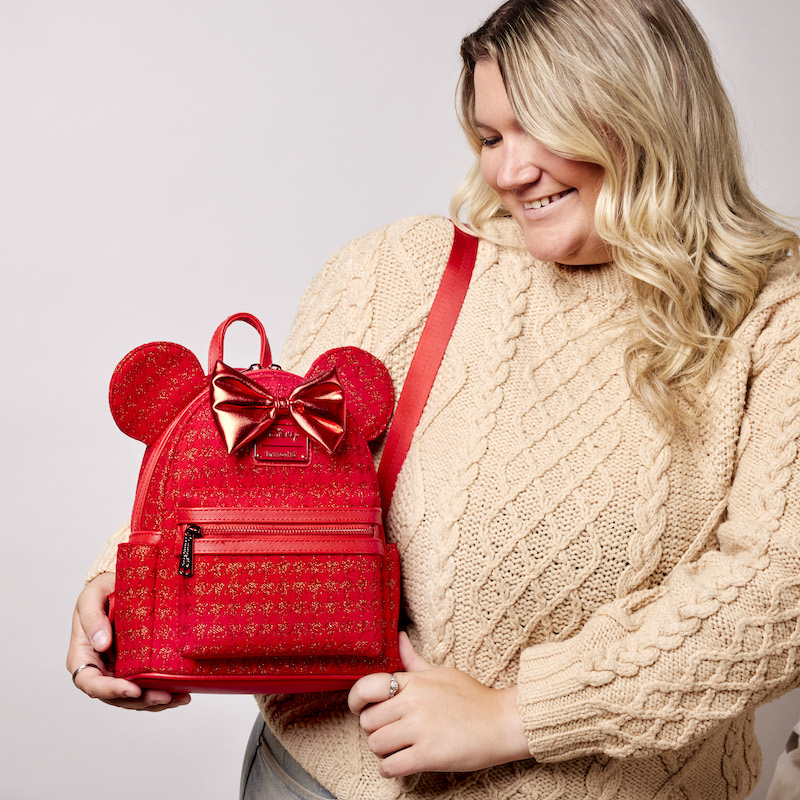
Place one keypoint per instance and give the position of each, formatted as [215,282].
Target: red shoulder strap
[427,358]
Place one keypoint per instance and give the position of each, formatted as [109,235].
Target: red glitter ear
[150,386]
[368,387]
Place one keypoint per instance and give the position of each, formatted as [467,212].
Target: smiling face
[551,197]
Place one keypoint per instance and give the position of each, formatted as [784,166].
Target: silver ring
[83,666]
[394,686]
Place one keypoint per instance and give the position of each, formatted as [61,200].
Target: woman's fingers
[91,636]
[390,738]
[154,704]
[383,713]
[374,688]
[101,685]
[400,763]
[440,720]
[91,608]
[95,680]
[153,700]
[411,659]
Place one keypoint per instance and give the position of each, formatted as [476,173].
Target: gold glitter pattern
[282,605]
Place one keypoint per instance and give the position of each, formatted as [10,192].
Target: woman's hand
[440,720]
[91,636]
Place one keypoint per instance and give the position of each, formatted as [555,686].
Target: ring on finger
[394,686]
[82,666]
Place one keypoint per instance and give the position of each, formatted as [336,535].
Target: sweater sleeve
[660,668]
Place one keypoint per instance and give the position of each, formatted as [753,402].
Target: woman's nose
[517,167]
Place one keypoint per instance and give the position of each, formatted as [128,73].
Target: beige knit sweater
[642,590]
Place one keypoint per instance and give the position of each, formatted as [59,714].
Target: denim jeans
[270,773]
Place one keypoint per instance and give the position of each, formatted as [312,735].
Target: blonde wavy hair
[631,85]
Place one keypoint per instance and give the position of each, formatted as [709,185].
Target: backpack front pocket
[264,588]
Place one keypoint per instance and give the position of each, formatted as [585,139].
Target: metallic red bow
[244,410]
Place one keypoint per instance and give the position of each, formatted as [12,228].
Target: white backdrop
[165,163]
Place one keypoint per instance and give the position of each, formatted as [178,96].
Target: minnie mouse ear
[367,385]
[150,386]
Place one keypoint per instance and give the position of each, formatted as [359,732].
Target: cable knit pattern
[641,590]
[644,547]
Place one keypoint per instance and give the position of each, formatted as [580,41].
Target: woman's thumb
[412,661]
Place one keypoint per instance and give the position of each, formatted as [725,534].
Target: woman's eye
[490,141]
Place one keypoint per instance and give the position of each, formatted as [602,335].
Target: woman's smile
[544,202]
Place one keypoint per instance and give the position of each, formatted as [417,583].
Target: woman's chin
[578,256]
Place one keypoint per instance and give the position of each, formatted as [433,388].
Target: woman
[598,518]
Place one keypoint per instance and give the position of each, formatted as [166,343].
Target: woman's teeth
[545,201]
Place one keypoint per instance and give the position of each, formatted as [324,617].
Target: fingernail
[100,640]
[130,693]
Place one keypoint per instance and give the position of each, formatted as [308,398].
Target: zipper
[282,532]
[271,539]
[269,518]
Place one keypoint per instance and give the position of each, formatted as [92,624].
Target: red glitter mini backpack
[257,560]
